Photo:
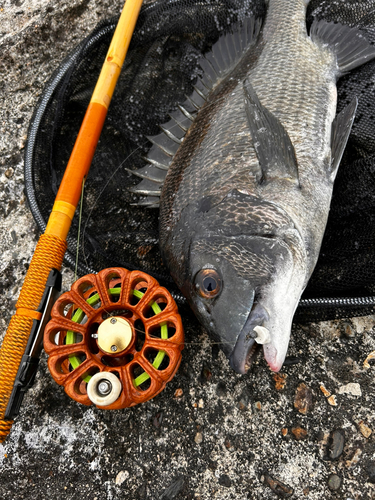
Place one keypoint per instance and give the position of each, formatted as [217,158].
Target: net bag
[159,71]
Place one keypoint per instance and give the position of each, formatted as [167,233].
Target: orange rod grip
[49,253]
[51,247]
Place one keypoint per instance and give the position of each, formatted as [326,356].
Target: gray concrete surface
[225,435]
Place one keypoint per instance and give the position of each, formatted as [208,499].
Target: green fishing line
[78,316]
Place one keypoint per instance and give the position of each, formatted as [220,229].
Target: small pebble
[157,420]
[212,464]
[178,393]
[291,360]
[352,388]
[224,480]
[325,391]
[280,380]
[336,444]
[244,401]
[281,489]
[355,458]
[284,431]
[258,405]
[299,433]
[303,399]
[221,389]
[366,363]
[9,172]
[334,482]
[370,469]
[13,235]
[228,444]
[206,374]
[173,489]
[364,430]
[198,438]
[121,477]
[347,329]
[332,400]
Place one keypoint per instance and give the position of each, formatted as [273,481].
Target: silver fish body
[245,201]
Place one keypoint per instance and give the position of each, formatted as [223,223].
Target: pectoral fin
[341,127]
[272,143]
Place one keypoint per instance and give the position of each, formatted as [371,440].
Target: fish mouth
[251,354]
[243,354]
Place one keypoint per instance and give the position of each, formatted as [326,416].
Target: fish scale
[284,92]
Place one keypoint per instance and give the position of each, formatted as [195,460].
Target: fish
[243,175]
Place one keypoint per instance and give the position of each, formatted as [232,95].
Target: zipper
[338,302]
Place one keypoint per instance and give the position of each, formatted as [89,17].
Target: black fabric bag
[160,69]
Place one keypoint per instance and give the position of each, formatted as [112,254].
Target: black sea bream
[249,162]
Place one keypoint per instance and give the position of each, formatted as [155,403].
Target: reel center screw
[114,335]
[104,387]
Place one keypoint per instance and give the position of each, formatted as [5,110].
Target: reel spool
[115,339]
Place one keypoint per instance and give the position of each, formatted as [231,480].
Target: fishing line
[98,197]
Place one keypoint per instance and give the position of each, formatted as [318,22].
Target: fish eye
[208,283]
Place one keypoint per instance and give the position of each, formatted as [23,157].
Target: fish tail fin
[349,44]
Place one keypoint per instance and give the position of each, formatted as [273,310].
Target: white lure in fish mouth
[263,335]
[252,333]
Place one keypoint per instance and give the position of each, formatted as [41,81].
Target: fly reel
[115,339]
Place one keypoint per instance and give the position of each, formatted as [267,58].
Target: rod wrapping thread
[49,253]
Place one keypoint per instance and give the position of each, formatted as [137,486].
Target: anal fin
[272,143]
[341,127]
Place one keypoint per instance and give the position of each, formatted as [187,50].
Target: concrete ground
[307,432]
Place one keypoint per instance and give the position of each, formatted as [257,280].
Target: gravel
[211,434]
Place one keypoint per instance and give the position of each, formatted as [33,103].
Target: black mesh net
[160,69]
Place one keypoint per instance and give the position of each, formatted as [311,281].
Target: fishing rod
[22,344]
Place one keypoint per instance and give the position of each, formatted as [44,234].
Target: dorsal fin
[341,127]
[272,143]
[216,65]
[349,44]
[228,51]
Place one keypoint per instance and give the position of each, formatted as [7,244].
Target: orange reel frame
[140,295]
